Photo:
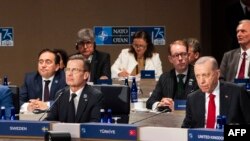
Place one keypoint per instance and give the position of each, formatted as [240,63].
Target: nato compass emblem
[102,36]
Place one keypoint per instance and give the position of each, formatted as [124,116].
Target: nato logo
[6,36]
[102,36]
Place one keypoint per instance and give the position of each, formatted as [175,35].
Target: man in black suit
[167,88]
[230,99]
[87,101]
[100,61]
[32,92]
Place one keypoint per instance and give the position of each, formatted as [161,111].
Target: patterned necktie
[242,66]
[180,86]
[46,90]
[71,109]
[211,112]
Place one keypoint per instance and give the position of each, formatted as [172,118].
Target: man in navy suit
[100,61]
[6,99]
[32,95]
[166,90]
[230,99]
[86,102]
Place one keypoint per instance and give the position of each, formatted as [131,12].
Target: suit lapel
[83,101]
[38,87]
[54,86]
[224,99]
[236,60]
[93,66]
[200,106]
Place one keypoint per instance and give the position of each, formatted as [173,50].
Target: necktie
[46,90]
[211,112]
[180,86]
[242,66]
[71,109]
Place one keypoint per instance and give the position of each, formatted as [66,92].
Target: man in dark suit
[167,88]
[87,102]
[235,13]
[100,61]
[229,99]
[32,92]
[6,99]
[232,60]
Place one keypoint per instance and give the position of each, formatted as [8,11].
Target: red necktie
[211,112]
[242,67]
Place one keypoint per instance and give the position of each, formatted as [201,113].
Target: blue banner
[203,134]
[120,35]
[6,36]
[180,104]
[108,131]
[23,128]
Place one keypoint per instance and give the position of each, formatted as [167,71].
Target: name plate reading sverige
[203,134]
[23,128]
[108,131]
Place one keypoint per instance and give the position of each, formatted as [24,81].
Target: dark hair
[63,54]
[150,47]
[57,57]
[86,63]
[194,43]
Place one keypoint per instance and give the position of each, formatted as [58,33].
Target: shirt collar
[216,91]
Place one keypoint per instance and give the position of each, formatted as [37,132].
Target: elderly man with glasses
[99,61]
[176,83]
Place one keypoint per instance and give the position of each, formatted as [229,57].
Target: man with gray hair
[235,63]
[100,61]
[215,98]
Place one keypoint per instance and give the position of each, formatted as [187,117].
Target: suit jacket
[6,99]
[100,65]
[167,86]
[88,109]
[5,96]
[229,65]
[127,61]
[33,87]
[234,104]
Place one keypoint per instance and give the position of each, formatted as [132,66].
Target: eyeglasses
[139,46]
[84,44]
[73,70]
[183,55]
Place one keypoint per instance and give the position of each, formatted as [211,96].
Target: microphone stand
[163,111]
[46,111]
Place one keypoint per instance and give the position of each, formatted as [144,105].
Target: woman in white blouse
[140,56]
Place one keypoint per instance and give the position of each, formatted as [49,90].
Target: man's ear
[86,75]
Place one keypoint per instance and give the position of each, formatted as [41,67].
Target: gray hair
[195,44]
[205,59]
[86,34]
[86,63]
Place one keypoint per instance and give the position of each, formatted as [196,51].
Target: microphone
[47,110]
[163,111]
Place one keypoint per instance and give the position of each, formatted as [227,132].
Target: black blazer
[33,87]
[167,85]
[88,109]
[100,65]
[234,104]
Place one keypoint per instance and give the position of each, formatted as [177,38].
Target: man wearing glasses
[99,61]
[78,102]
[40,87]
[176,83]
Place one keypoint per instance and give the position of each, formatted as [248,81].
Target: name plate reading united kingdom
[203,134]
[108,131]
[23,128]
[122,35]
[6,36]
